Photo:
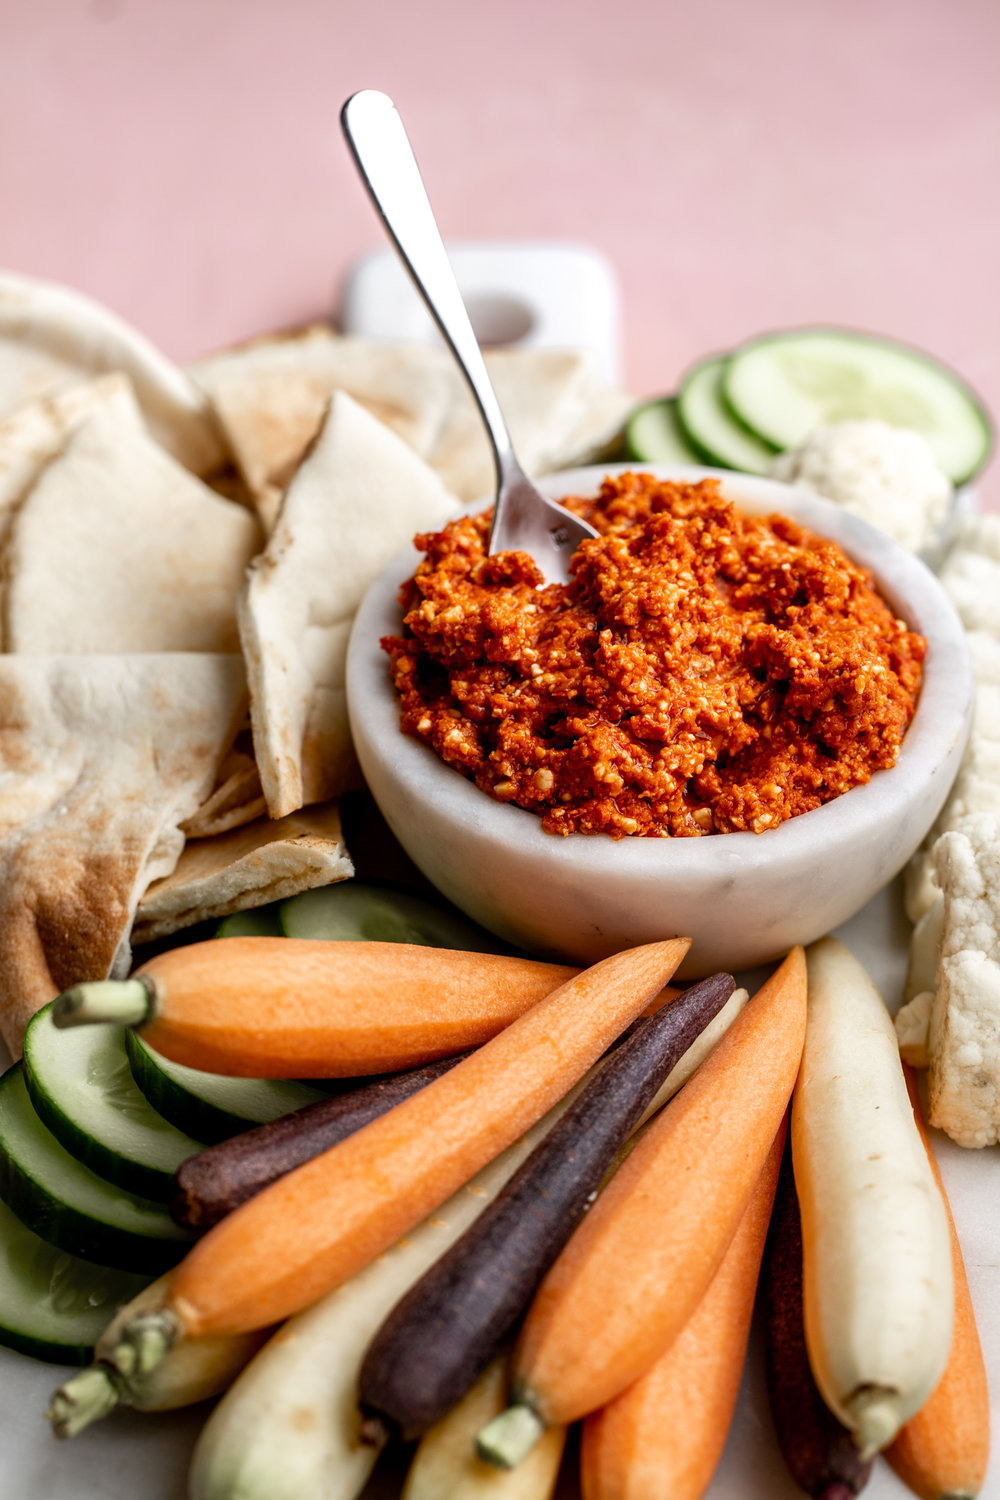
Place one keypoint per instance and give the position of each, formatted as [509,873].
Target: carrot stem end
[84,1399]
[127,1002]
[510,1437]
[874,1419]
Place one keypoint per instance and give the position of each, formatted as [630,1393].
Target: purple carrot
[210,1185]
[452,1323]
[820,1453]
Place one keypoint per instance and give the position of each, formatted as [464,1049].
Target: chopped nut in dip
[704,671]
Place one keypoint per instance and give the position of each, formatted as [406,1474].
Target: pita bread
[235,799]
[558,408]
[52,338]
[266,861]
[35,434]
[357,498]
[270,396]
[101,760]
[117,548]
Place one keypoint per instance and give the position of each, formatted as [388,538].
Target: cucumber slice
[70,1206]
[785,384]
[352,911]
[261,921]
[53,1305]
[82,1088]
[711,427]
[211,1106]
[654,435]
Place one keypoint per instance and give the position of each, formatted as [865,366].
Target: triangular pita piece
[52,337]
[357,499]
[270,396]
[265,861]
[558,407]
[35,434]
[101,759]
[235,799]
[118,548]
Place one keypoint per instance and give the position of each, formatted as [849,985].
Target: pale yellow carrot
[446,1467]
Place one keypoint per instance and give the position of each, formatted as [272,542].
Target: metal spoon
[524,519]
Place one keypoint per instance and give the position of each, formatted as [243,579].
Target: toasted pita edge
[251,866]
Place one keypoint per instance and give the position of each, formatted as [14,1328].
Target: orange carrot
[632,1274]
[665,1434]
[944,1450]
[312,1229]
[262,1007]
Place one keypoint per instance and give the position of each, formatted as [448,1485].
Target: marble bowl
[743,898]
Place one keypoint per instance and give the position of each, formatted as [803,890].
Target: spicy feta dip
[703,671]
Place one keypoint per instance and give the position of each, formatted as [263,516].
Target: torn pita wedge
[52,337]
[270,396]
[265,861]
[101,759]
[35,434]
[235,799]
[558,407]
[359,496]
[118,548]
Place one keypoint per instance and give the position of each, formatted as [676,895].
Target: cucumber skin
[78,1234]
[452,1323]
[145,1181]
[218,1180]
[46,1351]
[862,336]
[707,455]
[207,1122]
[694,456]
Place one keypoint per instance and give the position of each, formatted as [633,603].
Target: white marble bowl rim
[919,781]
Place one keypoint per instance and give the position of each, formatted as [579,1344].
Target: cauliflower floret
[912,1022]
[976,792]
[977,785]
[885,475]
[964,1035]
[970,573]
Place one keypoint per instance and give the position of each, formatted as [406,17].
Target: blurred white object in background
[540,294]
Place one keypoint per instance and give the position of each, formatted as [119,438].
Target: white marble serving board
[133,1456]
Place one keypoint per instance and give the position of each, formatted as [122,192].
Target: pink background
[742,165]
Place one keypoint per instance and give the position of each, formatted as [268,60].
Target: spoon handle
[389,170]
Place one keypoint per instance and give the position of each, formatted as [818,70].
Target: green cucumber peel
[509,1438]
[127,1002]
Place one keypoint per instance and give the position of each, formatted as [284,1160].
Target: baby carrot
[262,1007]
[943,1451]
[312,1229]
[445,1463]
[665,1434]
[632,1274]
[819,1452]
